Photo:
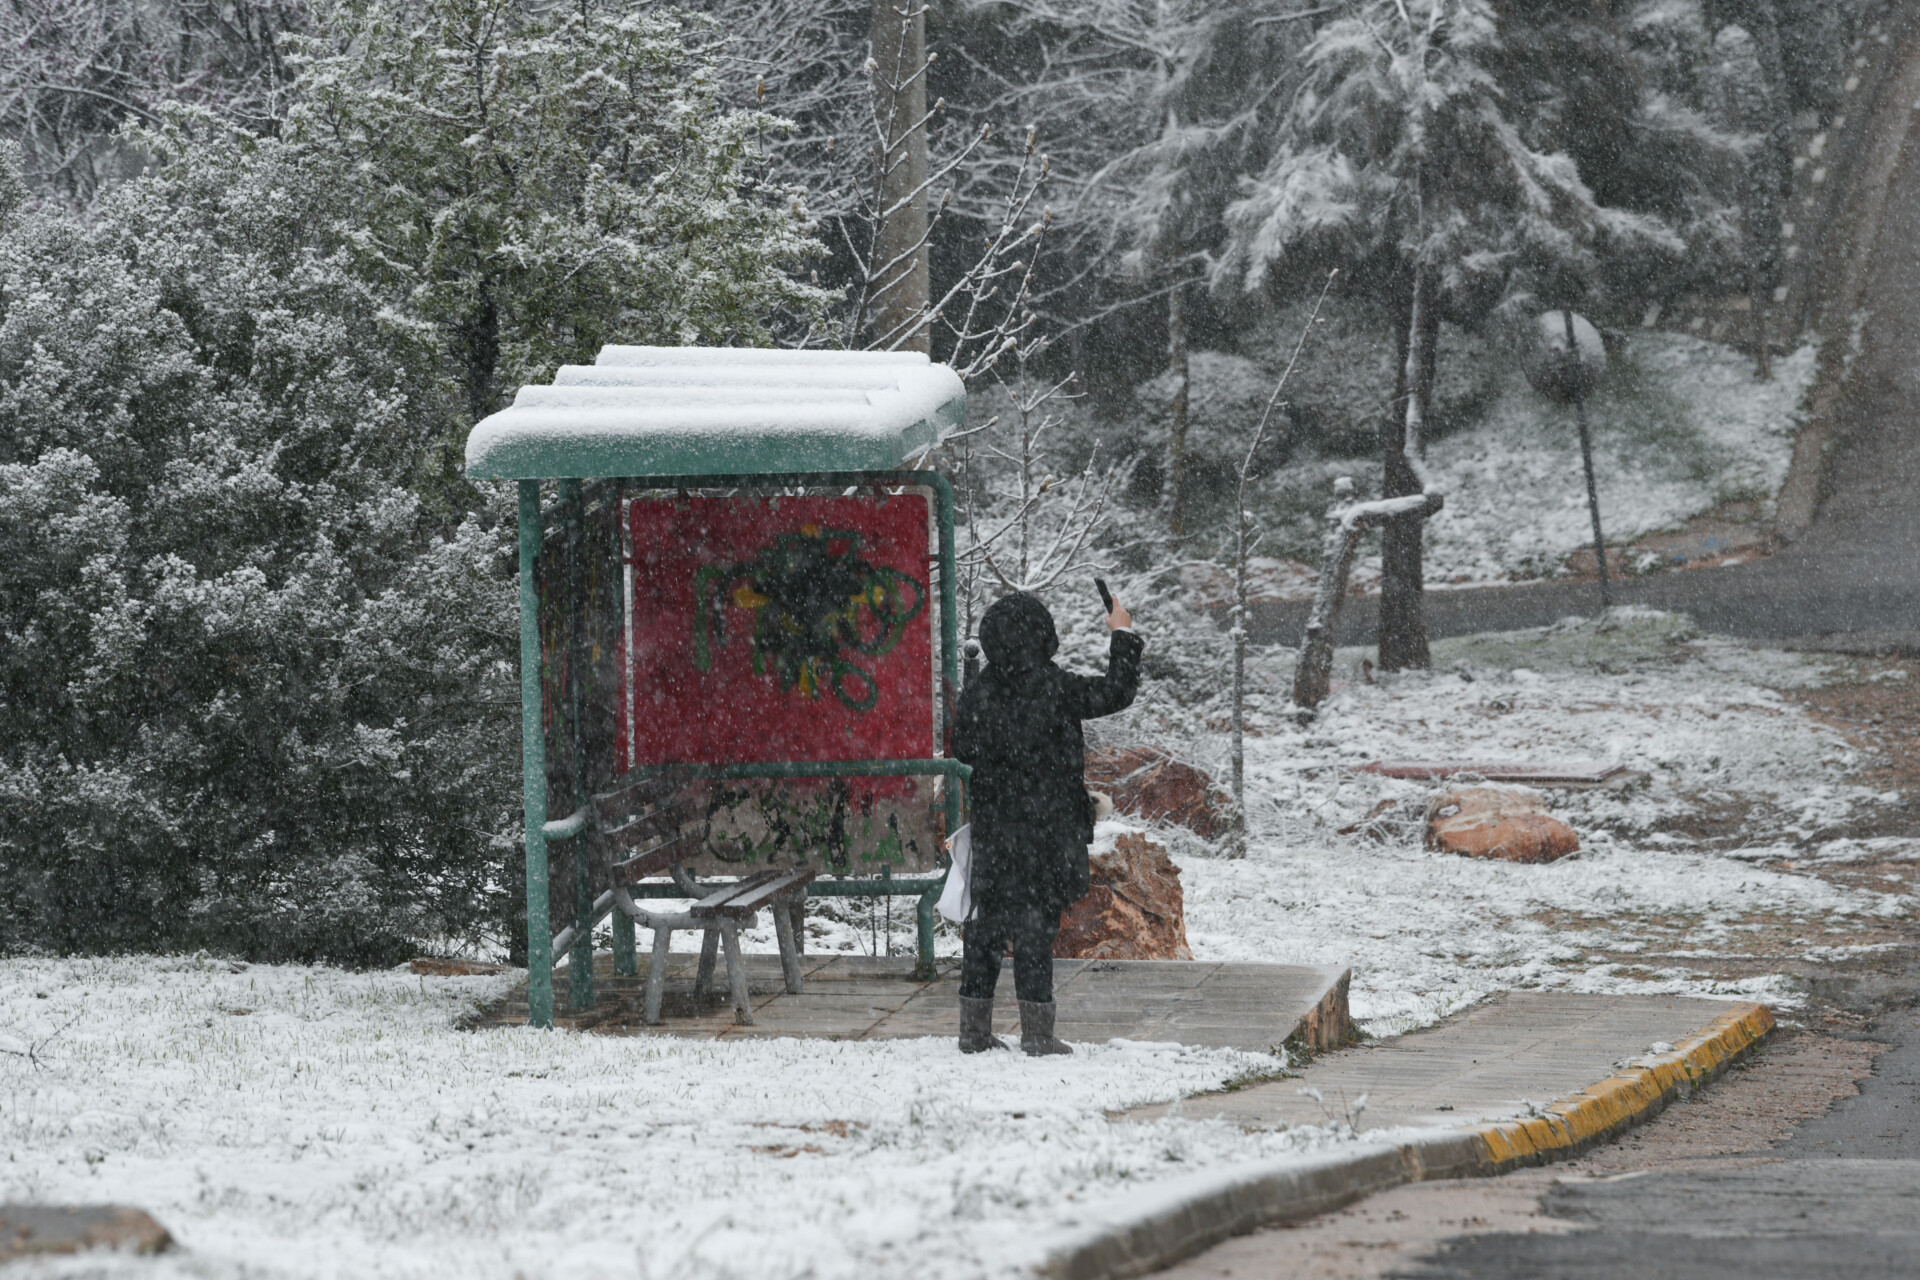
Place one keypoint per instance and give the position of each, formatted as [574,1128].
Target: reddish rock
[1151,785]
[1134,911]
[30,1230]
[1495,822]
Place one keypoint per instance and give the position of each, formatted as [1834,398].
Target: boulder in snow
[30,1230]
[1134,911]
[1151,785]
[1498,822]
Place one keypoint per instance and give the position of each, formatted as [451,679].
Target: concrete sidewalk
[1260,1007]
[1502,1060]
[1524,1079]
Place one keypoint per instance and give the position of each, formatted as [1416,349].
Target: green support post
[580,958]
[533,768]
[626,960]
[923,911]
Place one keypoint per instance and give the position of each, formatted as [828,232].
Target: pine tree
[541,180]
[1750,88]
[1399,149]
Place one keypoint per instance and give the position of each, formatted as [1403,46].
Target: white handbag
[956,900]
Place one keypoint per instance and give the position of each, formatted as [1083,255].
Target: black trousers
[1031,929]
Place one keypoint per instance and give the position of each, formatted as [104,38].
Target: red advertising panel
[781,629]
[778,629]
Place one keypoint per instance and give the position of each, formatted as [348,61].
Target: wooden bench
[640,833]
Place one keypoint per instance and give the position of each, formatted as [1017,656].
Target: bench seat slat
[750,895]
[725,897]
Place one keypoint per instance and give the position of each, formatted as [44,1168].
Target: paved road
[1779,1170]
[1844,1201]
[1857,567]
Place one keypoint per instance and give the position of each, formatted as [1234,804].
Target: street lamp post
[1566,374]
[1586,458]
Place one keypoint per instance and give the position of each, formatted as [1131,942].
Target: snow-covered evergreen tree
[540,180]
[1399,157]
[257,674]
[248,699]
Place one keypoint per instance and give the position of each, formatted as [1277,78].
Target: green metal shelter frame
[621,419]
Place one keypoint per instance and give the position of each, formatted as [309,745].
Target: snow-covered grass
[289,1121]
[1680,427]
[1667,865]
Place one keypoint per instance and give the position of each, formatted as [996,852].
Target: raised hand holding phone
[1117,617]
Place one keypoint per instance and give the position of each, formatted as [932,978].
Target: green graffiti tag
[817,606]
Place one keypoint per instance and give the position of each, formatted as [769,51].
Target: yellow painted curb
[1622,1100]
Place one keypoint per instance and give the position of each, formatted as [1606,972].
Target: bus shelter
[735,584]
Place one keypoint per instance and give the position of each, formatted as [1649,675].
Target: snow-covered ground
[1426,932]
[1680,428]
[306,1122]
[1706,721]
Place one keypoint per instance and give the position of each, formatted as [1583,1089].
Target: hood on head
[1017,632]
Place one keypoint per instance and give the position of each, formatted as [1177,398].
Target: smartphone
[1106,596]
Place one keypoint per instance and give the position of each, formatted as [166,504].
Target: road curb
[1143,1231]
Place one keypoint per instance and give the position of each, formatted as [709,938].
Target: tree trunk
[900,291]
[477,340]
[1403,623]
[1174,498]
[1769,182]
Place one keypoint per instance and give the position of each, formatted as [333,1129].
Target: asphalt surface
[1840,1198]
[1855,570]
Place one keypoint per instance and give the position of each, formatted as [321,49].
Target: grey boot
[976,1026]
[1036,1030]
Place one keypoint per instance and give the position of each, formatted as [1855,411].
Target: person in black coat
[1018,726]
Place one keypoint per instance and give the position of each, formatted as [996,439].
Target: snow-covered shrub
[249,698]
[257,676]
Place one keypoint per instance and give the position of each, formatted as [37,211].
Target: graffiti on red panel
[768,629]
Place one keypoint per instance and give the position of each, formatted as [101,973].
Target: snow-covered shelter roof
[687,411]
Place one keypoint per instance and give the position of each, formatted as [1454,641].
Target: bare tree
[75,71]
[1244,539]
[1051,528]
[897,269]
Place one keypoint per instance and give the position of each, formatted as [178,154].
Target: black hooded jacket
[1018,725]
